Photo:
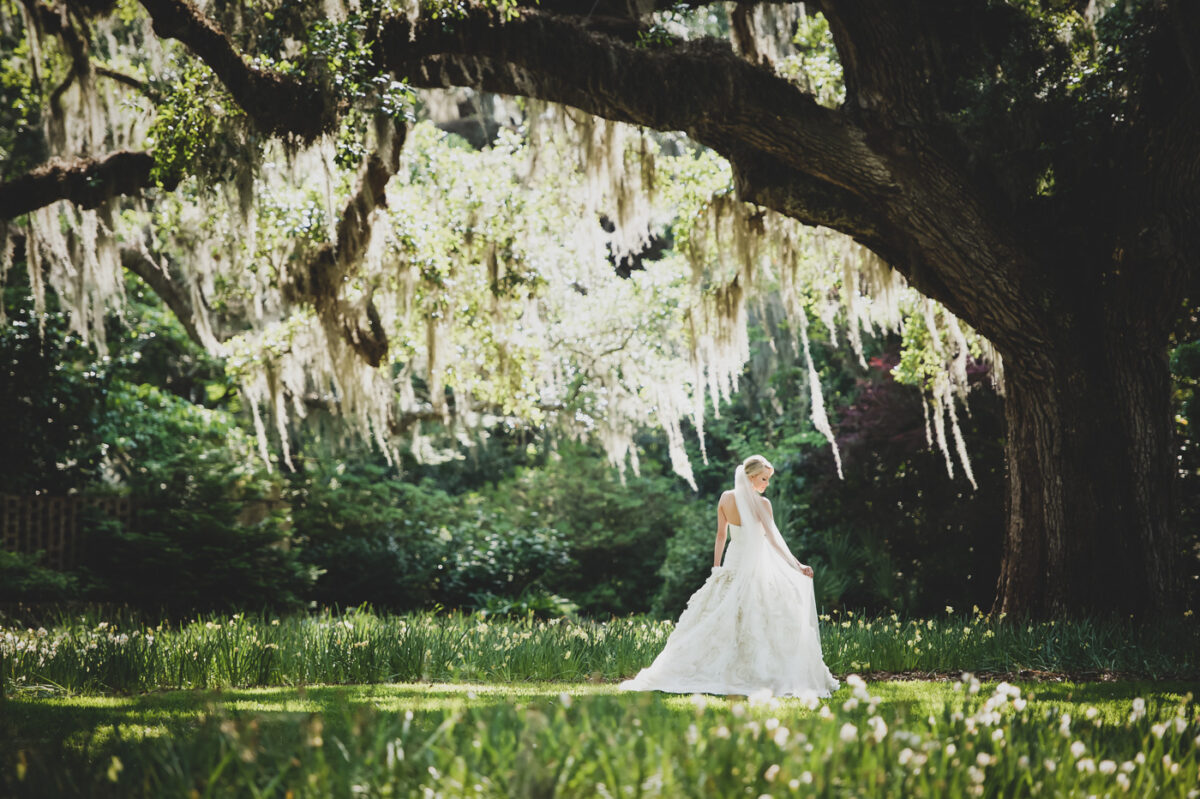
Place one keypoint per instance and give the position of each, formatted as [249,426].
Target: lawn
[113,655]
[524,736]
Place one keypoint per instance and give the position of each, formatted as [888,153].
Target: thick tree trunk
[1090,468]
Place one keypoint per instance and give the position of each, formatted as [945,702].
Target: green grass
[86,655]
[555,739]
[376,705]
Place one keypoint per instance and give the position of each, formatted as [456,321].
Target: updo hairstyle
[755,464]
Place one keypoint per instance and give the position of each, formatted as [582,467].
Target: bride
[752,626]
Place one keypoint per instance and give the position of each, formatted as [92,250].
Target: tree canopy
[1028,167]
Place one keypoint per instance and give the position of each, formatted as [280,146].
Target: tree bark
[1090,469]
[279,104]
[86,182]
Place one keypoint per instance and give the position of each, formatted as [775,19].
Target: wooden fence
[52,524]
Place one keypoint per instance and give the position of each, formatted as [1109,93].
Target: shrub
[24,579]
[196,542]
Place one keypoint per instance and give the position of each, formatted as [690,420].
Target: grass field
[527,736]
[90,655]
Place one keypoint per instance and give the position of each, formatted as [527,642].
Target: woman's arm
[719,547]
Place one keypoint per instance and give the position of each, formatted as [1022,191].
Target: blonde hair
[755,464]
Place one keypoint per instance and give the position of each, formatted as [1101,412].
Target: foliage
[24,579]
[815,65]
[370,537]
[898,531]
[377,539]
[195,129]
[205,534]
[616,533]
[488,558]
[48,393]
[21,144]
[122,653]
[1185,368]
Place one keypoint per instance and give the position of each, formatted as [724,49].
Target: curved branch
[911,205]
[701,87]
[320,281]
[278,104]
[86,182]
[126,79]
[940,232]
[170,290]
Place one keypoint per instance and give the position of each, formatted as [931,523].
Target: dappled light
[430,397]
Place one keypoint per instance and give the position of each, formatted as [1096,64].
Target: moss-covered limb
[320,282]
[125,79]
[818,163]
[279,104]
[172,290]
[86,182]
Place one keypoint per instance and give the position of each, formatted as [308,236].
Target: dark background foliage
[520,523]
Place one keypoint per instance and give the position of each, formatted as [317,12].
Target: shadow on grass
[28,720]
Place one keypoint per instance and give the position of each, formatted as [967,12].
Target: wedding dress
[751,627]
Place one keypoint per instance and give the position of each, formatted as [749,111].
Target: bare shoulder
[726,500]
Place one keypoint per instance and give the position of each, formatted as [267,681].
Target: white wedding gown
[751,627]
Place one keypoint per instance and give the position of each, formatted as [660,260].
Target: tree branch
[127,80]
[86,182]
[860,179]
[320,282]
[909,203]
[170,290]
[278,104]
[701,87]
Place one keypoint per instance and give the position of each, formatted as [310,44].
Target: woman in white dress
[752,626]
